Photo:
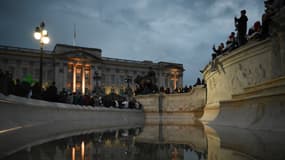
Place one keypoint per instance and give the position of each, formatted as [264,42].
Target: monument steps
[271,87]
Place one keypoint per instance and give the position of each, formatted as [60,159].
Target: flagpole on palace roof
[74,35]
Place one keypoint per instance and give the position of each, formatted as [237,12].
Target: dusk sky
[180,31]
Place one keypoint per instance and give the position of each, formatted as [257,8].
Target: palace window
[12,70]
[166,82]
[68,85]
[103,78]
[122,79]
[50,75]
[87,74]
[24,72]
[61,70]
[87,79]
[37,73]
[78,86]
[78,74]
[113,79]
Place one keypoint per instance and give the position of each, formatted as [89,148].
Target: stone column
[91,74]
[65,74]
[83,79]
[74,78]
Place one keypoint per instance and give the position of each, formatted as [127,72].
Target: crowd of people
[185,89]
[24,89]
[258,31]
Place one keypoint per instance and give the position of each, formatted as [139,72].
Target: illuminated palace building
[81,69]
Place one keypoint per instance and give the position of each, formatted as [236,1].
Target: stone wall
[150,102]
[185,102]
[182,102]
[260,107]
[19,112]
[245,66]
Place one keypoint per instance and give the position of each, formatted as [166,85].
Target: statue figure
[146,84]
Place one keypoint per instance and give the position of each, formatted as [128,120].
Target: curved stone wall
[186,102]
[149,102]
[177,106]
[261,113]
[19,112]
[248,65]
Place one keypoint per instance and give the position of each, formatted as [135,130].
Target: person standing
[218,51]
[241,26]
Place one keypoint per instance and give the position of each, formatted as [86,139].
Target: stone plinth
[243,67]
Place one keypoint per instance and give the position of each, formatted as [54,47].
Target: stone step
[271,87]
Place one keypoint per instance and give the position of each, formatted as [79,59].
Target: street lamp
[41,35]
[128,80]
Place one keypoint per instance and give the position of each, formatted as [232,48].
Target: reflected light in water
[174,154]
[82,150]
[73,153]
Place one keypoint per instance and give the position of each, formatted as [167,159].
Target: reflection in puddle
[159,141]
[99,145]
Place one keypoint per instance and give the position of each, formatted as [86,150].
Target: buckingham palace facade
[78,68]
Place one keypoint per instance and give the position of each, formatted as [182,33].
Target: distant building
[80,69]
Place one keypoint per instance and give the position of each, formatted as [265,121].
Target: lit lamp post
[128,80]
[41,35]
